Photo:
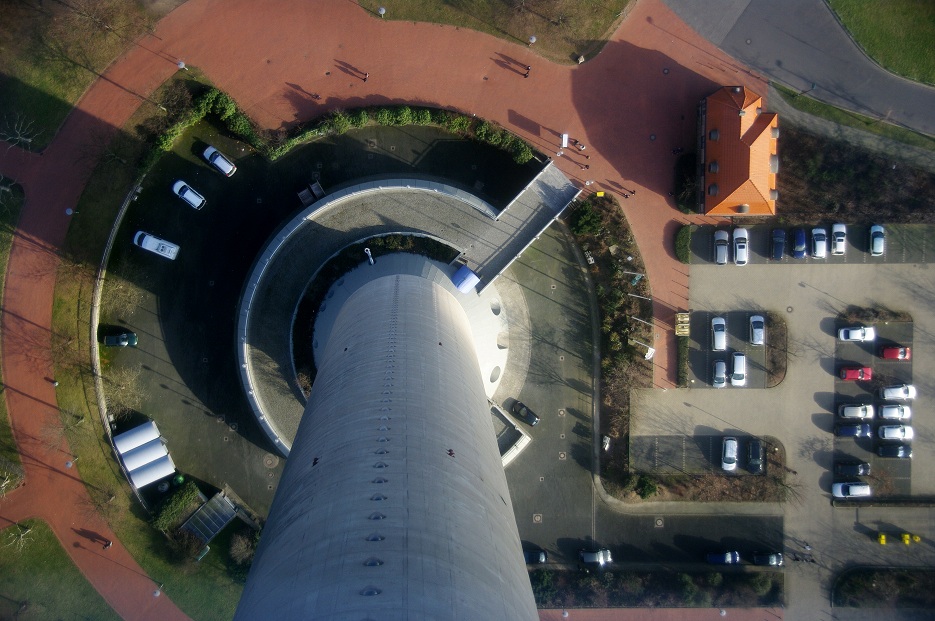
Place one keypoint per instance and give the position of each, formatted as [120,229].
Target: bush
[384,116]
[646,487]
[483,131]
[422,116]
[522,152]
[359,117]
[239,124]
[172,509]
[586,220]
[340,121]
[403,116]
[458,123]
[224,106]
[683,240]
[243,546]
[185,545]
[682,360]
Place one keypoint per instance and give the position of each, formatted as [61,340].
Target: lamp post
[532,39]
[71,463]
[381,11]
[810,89]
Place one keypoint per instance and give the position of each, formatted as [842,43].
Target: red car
[896,352]
[856,374]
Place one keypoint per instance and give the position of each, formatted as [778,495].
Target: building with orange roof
[737,154]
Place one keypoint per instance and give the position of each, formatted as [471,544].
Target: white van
[146,241]
[850,490]
[729,454]
[739,376]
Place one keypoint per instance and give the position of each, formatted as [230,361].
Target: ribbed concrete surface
[394,503]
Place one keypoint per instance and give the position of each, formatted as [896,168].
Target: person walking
[108,544]
[366,75]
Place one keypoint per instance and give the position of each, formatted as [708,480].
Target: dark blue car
[799,246]
[778,246]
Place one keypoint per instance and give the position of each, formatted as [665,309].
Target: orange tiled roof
[744,154]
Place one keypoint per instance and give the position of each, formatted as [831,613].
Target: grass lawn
[898,34]
[53,51]
[60,594]
[10,465]
[852,119]
[564,29]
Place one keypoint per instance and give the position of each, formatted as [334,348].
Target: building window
[713,167]
[712,189]
[713,135]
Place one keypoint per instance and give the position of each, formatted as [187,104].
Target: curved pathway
[631,106]
[803,44]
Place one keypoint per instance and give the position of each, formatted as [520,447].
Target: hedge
[170,512]
[683,240]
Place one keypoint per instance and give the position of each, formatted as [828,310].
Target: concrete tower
[393,503]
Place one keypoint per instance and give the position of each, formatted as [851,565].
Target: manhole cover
[269,487]
[561,358]
[561,412]
[219,419]
[562,436]
[789,309]
[659,523]
[226,439]
[541,479]
[233,427]
[270,460]
[561,455]
[205,360]
[537,518]
[269,475]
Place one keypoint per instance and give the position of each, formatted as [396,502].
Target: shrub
[403,116]
[522,152]
[483,131]
[646,487]
[440,117]
[173,508]
[243,546]
[384,116]
[586,220]
[422,116]
[185,545]
[224,106]
[359,117]
[340,121]
[683,240]
[682,360]
[496,137]
[458,123]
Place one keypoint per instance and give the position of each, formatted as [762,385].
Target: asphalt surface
[799,412]
[800,43]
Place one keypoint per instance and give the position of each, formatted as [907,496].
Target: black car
[723,558]
[535,557]
[903,451]
[755,458]
[852,469]
[520,411]
[123,339]
[777,249]
[770,559]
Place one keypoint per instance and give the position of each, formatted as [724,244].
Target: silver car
[838,239]
[891,411]
[739,376]
[718,334]
[877,240]
[819,243]
[219,161]
[741,252]
[721,246]
[900,392]
[729,454]
[895,432]
[719,378]
[188,194]
[757,330]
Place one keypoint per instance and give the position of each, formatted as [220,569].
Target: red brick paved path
[273,57]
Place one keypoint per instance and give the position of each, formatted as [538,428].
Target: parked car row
[166,249]
[770,559]
[738,374]
[730,452]
[795,243]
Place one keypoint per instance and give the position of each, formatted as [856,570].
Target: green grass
[852,119]
[898,34]
[61,593]
[9,215]
[564,29]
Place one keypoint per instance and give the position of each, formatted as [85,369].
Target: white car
[189,195]
[857,333]
[838,239]
[741,253]
[895,432]
[757,330]
[850,490]
[217,159]
[819,243]
[877,240]
[721,247]
[891,411]
[719,378]
[855,410]
[729,454]
[739,376]
[595,557]
[900,392]
[154,244]
[718,334]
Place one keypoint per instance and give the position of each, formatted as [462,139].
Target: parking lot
[801,411]
[701,356]
[905,243]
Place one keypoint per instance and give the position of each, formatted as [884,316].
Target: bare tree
[70,422]
[18,536]
[122,390]
[11,475]
[123,292]
[18,131]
